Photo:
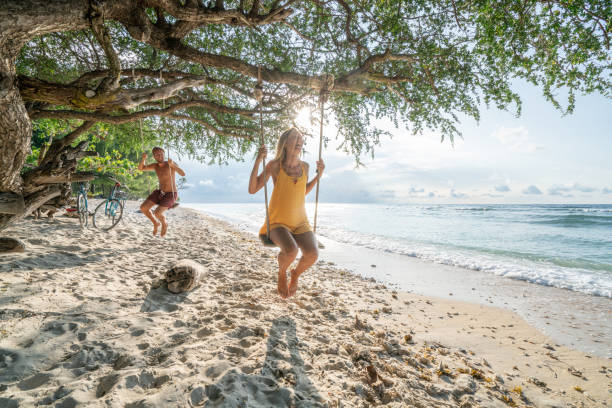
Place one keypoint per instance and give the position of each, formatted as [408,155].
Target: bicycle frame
[111,206]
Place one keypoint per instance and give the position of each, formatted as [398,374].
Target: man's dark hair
[156,148]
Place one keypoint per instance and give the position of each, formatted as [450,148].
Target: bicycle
[82,204]
[109,212]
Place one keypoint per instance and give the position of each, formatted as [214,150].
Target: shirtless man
[166,194]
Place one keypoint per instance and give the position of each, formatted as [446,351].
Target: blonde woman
[289,226]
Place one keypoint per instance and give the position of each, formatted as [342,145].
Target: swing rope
[167,142]
[329,83]
[258,94]
[143,147]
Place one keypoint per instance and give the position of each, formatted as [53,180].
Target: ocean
[562,246]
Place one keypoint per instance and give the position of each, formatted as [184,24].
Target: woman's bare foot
[293,285]
[155,227]
[282,284]
[164,229]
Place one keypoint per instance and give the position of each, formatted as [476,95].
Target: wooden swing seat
[266,241]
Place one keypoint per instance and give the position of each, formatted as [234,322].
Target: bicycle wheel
[82,209]
[108,214]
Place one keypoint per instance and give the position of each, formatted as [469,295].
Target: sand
[85,320]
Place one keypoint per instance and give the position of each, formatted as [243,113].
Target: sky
[541,157]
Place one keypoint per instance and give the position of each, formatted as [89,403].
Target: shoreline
[84,322]
[571,318]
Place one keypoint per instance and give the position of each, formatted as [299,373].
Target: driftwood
[184,276]
[66,178]
[11,245]
[11,203]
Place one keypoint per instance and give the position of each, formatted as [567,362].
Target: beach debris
[184,275]
[372,375]
[537,382]
[485,362]
[579,389]
[551,355]
[574,371]
[361,355]
[362,324]
[408,338]
[508,400]
[423,360]
[373,266]
[444,370]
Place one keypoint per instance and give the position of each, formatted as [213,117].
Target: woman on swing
[289,227]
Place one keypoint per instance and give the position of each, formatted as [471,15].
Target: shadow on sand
[282,382]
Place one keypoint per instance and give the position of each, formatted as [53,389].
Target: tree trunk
[15,125]
[20,21]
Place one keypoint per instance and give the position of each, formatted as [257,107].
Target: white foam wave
[541,273]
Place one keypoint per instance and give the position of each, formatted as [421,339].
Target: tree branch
[118,119]
[111,82]
[209,126]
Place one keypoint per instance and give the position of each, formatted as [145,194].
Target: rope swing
[167,144]
[323,96]
[258,94]
[143,147]
[322,99]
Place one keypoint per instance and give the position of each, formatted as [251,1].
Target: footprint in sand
[106,384]
[34,381]
[146,380]
[9,403]
[60,328]
[60,393]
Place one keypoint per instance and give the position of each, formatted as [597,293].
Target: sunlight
[303,119]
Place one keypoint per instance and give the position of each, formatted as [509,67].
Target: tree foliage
[94,69]
[419,63]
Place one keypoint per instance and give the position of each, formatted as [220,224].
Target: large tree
[196,65]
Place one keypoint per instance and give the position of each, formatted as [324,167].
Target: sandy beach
[85,320]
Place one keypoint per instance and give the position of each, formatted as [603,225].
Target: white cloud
[502,189]
[561,189]
[416,190]
[456,194]
[532,190]
[207,183]
[516,139]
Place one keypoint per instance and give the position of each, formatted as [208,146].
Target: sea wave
[559,246]
[582,276]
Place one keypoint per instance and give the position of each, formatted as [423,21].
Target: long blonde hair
[281,152]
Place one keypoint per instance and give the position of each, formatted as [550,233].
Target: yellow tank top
[287,204]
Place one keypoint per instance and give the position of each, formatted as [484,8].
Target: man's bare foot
[282,284]
[293,285]
[155,227]
[164,229]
